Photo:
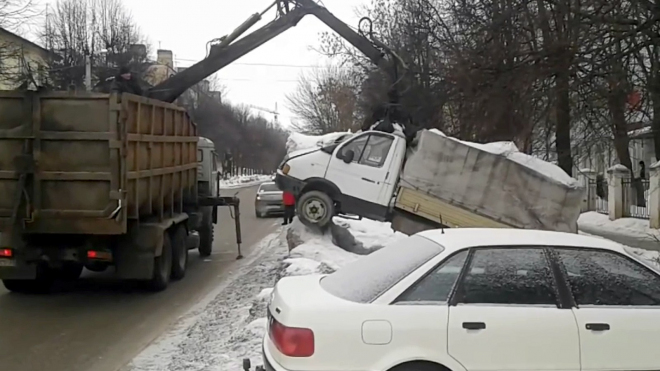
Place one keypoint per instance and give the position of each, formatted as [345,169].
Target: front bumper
[289,184]
[265,207]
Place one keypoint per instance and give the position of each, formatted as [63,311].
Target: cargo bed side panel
[98,160]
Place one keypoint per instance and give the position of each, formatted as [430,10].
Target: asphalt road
[100,324]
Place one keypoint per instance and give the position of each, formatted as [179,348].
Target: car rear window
[367,278]
[270,187]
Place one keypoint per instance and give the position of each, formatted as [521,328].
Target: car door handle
[474,325]
[369,180]
[597,326]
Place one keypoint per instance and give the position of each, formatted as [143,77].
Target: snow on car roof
[459,238]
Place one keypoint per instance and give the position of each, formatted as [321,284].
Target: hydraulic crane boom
[228,52]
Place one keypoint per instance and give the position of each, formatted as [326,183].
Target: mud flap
[19,272]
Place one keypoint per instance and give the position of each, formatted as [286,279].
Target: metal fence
[635,198]
[597,191]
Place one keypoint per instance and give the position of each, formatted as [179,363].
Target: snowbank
[631,227]
[230,323]
[244,181]
[510,151]
[297,141]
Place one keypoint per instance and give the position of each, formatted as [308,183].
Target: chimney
[206,85]
[165,57]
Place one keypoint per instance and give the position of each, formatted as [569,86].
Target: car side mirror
[349,156]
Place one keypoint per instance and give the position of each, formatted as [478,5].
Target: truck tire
[70,271]
[206,240]
[315,209]
[179,253]
[162,267]
[42,284]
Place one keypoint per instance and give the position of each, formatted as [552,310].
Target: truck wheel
[162,267]
[179,253]
[206,240]
[42,284]
[70,271]
[315,209]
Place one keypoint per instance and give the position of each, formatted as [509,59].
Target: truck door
[363,177]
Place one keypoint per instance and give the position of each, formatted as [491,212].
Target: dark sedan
[268,201]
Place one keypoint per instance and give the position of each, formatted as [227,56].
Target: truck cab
[208,172]
[356,175]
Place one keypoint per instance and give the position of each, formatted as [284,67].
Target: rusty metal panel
[98,160]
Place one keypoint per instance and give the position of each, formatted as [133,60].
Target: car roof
[454,239]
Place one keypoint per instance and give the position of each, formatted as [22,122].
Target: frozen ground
[230,323]
[244,181]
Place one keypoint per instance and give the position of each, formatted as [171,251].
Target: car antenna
[442,225]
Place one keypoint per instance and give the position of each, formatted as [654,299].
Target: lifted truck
[98,180]
[434,182]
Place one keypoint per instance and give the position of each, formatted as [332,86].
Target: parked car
[268,200]
[472,299]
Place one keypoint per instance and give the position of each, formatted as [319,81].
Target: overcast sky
[261,78]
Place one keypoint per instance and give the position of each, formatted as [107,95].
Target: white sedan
[472,299]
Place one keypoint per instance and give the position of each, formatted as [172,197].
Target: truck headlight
[285,169]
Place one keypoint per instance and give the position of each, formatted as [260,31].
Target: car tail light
[292,341]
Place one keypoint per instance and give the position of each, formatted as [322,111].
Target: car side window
[356,145]
[608,278]
[508,276]
[436,285]
[376,151]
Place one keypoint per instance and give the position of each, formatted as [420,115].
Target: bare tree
[325,101]
[102,30]
[16,69]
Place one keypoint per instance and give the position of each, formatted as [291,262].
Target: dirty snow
[510,151]
[631,227]
[229,324]
[297,141]
[371,233]
[244,181]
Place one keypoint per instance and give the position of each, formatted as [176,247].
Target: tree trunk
[616,101]
[563,124]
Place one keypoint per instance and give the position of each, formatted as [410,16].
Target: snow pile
[314,253]
[244,181]
[372,234]
[297,141]
[593,222]
[510,151]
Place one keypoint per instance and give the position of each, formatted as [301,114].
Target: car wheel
[315,209]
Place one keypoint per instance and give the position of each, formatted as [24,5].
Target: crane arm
[228,52]
[170,89]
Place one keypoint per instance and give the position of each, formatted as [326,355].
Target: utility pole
[88,73]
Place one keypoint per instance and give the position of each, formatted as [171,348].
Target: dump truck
[434,182]
[98,180]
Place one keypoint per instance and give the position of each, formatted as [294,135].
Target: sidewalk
[626,231]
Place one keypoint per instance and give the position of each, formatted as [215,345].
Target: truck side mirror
[349,156]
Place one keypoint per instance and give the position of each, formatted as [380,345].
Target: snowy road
[99,324]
